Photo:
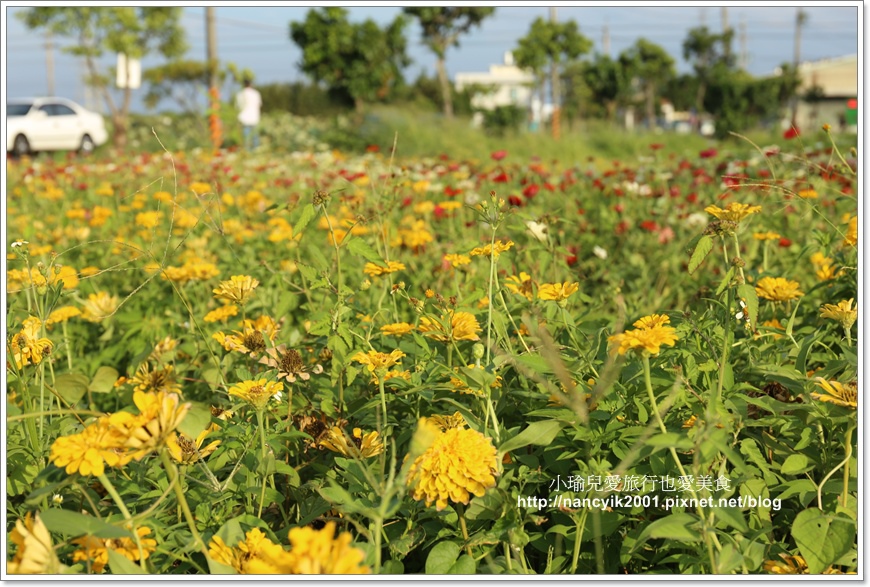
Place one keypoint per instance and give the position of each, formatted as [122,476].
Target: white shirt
[249,103]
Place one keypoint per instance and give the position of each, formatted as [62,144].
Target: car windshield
[17,109]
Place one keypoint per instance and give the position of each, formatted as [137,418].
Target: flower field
[315,362]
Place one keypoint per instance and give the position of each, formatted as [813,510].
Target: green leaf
[393,567]
[464,566]
[71,523]
[822,538]
[121,565]
[726,281]
[795,465]
[670,440]
[672,527]
[71,386]
[308,213]
[361,248]
[441,558]
[702,249]
[104,380]
[197,419]
[539,433]
[747,292]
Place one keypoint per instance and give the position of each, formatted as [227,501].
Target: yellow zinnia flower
[767,236]
[377,270]
[522,285]
[34,554]
[357,446]
[238,289]
[851,238]
[789,565]
[156,380]
[397,329]
[99,306]
[459,463]
[192,449]
[463,326]
[256,554]
[377,363]
[500,247]
[651,332]
[88,452]
[837,393]
[62,314]
[842,313]
[808,194]
[222,314]
[321,552]
[27,346]
[457,260]
[251,339]
[734,211]
[778,289]
[256,393]
[97,549]
[154,427]
[557,291]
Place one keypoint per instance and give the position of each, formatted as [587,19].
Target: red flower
[372,149]
[692,198]
[675,191]
[406,202]
[708,153]
[650,225]
[499,155]
[450,191]
[500,178]
[791,133]
[622,227]
[439,212]
[549,187]
[784,242]
[515,200]
[531,190]
[571,258]
[619,208]
[656,146]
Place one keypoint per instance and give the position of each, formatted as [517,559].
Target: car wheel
[21,146]
[87,147]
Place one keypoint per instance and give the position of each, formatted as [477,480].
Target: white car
[52,124]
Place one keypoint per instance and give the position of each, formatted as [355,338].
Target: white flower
[277,396]
[538,230]
[697,219]
[20,244]
[599,252]
[57,499]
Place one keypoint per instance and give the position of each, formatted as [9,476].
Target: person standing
[249,103]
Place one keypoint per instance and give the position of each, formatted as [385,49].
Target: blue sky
[257,38]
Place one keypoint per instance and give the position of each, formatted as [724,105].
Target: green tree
[184,81]
[607,82]
[553,43]
[652,66]
[442,28]
[708,52]
[133,31]
[361,60]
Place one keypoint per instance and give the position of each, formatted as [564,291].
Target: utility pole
[49,63]
[214,122]
[554,85]
[605,41]
[725,31]
[744,56]
[799,23]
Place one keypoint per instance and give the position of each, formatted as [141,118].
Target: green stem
[383,399]
[489,295]
[123,507]
[652,398]
[580,528]
[185,508]
[846,469]
[335,244]
[724,360]
[262,459]
[66,343]
[460,511]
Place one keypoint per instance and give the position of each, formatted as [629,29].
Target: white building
[835,82]
[503,85]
